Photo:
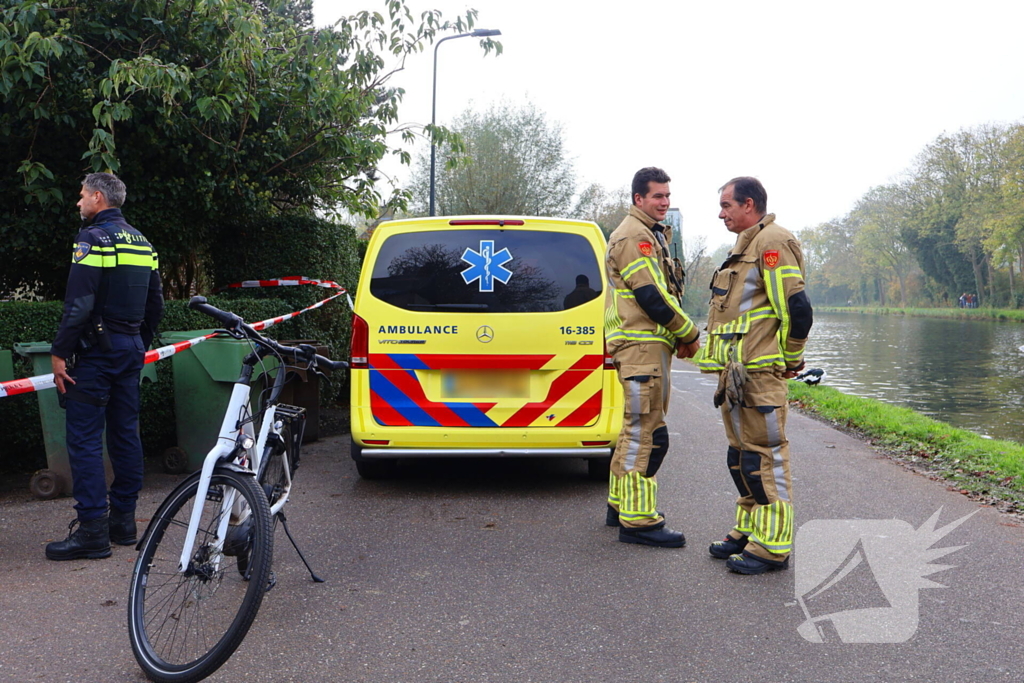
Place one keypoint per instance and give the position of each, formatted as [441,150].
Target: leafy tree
[605,208]
[834,271]
[514,163]
[879,218]
[210,110]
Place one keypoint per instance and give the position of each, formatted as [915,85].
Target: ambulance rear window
[486,271]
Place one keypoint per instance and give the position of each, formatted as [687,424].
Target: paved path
[502,571]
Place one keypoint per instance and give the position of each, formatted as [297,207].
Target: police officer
[111,311]
[758,323]
[644,323]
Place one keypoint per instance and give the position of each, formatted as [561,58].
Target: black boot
[611,517]
[723,550]
[658,536]
[91,540]
[748,563]
[122,527]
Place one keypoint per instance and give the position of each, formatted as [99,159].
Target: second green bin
[203,379]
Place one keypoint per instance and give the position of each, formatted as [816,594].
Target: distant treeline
[953,225]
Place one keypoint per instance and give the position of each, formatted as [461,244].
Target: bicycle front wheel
[184,625]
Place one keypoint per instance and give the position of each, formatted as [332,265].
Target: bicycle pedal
[271,582]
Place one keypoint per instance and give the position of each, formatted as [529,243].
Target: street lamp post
[477,33]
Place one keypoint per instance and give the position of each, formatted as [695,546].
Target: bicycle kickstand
[284,523]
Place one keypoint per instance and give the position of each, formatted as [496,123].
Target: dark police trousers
[111,378]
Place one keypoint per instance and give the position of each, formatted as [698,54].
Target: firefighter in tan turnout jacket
[757,326]
[644,324]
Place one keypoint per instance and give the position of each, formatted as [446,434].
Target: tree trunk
[1013,293]
[903,288]
[979,280]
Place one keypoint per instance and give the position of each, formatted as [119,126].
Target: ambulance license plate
[486,384]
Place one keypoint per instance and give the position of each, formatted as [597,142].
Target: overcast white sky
[820,100]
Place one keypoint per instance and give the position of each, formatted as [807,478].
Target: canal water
[967,373]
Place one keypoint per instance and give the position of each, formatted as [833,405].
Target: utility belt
[97,333]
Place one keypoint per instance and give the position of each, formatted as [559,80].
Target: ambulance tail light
[609,364]
[360,344]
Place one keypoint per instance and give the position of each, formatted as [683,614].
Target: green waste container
[204,376]
[56,478]
[6,366]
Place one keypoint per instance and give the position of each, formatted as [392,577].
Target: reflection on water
[967,373]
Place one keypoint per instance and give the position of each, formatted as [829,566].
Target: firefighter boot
[748,563]
[658,536]
[725,549]
[91,541]
[122,527]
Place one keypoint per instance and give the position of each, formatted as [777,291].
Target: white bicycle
[188,608]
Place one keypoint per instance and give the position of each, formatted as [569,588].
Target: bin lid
[28,348]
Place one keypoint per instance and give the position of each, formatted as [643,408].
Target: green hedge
[38,321]
[279,246]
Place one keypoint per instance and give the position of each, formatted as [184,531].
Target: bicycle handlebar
[235,325]
[229,320]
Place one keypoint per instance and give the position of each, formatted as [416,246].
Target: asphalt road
[503,571]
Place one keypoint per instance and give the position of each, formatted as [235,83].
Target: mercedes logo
[484,334]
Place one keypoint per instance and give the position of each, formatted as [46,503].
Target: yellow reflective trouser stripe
[744,524]
[614,495]
[773,527]
[638,496]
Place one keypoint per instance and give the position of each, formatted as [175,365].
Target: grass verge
[987,469]
[1013,314]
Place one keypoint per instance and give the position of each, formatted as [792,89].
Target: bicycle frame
[230,447]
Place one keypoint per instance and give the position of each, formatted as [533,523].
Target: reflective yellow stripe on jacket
[720,351]
[613,321]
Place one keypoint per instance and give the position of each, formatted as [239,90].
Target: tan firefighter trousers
[758,459]
[643,442]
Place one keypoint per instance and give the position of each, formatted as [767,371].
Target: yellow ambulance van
[482,336]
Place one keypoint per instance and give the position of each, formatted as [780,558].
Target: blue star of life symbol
[486,266]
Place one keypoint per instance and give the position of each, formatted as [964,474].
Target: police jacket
[642,304]
[114,277]
[759,314]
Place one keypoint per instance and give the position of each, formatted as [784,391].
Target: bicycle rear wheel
[184,625]
[277,467]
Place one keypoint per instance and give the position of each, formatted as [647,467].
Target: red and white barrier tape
[283,282]
[42,382]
